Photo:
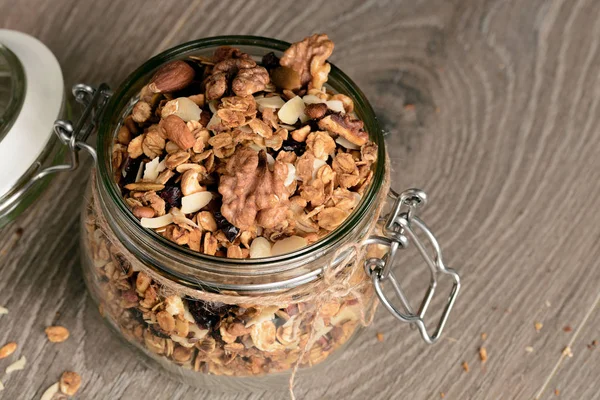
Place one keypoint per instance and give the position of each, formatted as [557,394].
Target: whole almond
[177,131]
[69,383]
[7,349]
[171,77]
[57,334]
[143,212]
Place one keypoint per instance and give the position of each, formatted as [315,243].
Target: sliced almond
[342,141]
[288,245]
[50,392]
[182,107]
[17,365]
[292,110]
[153,168]
[269,102]
[260,248]
[158,222]
[291,176]
[195,202]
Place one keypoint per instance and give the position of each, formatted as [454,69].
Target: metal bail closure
[94,101]
[399,232]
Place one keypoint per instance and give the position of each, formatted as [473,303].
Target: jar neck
[200,271]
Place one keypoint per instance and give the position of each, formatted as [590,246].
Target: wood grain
[491,107]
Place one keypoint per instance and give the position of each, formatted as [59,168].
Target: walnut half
[252,194]
[308,58]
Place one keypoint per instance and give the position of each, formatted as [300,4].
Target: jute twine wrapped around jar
[344,278]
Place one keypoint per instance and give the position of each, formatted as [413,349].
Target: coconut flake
[269,102]
[342,141]
[288,245]
[17,365]
[153,168]
[292,110]
[182,341]
[3,310]
[187,315]
[50,392]
[157,222]
[260,248]
[336,105]
[194,202]
[291,176]
[197,332]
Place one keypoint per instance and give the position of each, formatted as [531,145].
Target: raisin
[130,170]
[206,315]
[137,315]
[291,145]
[230,231]
[172,196]
[270,61]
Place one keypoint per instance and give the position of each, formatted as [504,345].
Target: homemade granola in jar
[230,229]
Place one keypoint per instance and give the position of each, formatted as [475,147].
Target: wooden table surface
[491,107]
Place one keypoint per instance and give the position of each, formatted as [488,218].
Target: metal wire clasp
[398,231]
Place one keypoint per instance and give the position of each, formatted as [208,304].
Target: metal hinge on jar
[398,233]
[74,137]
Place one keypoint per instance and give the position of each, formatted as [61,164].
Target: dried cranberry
[206,315]
[291,145]
[130,170]
[230,231]
[270,61]
[171,195]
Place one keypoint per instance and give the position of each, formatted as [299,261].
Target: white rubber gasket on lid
[44,92]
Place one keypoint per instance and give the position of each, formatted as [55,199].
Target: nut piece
[57,334]
[69,383]
[251,192]
[183,107]
[7,349]
[315,110]
[351,129]
[143,212]
[178,132]
[141,112]
[216,86]
[308,59]
[249,81]
[171,77]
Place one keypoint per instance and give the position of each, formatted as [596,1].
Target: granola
[254,137]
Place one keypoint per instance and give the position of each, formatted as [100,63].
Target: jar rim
[111,120]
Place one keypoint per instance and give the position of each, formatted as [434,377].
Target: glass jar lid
[31,99]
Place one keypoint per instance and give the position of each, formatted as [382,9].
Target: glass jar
[243,323]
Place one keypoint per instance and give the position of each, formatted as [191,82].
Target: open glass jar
[217,321]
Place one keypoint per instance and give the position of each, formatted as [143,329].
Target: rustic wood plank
[491,107]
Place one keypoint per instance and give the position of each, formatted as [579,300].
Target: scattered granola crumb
[69,383]
[567,328]
[483,336]
[12,242]
[57,334]
[483,354]
[437,110]
[567,351]
[7,349]
[1,386]
[17,365]
[465,366]
[3,310]
[557,392]
[442,395]
[409,107]
[548,303]
[50,392]
[538,326]
[380,336]
[529,349]
[592,345]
